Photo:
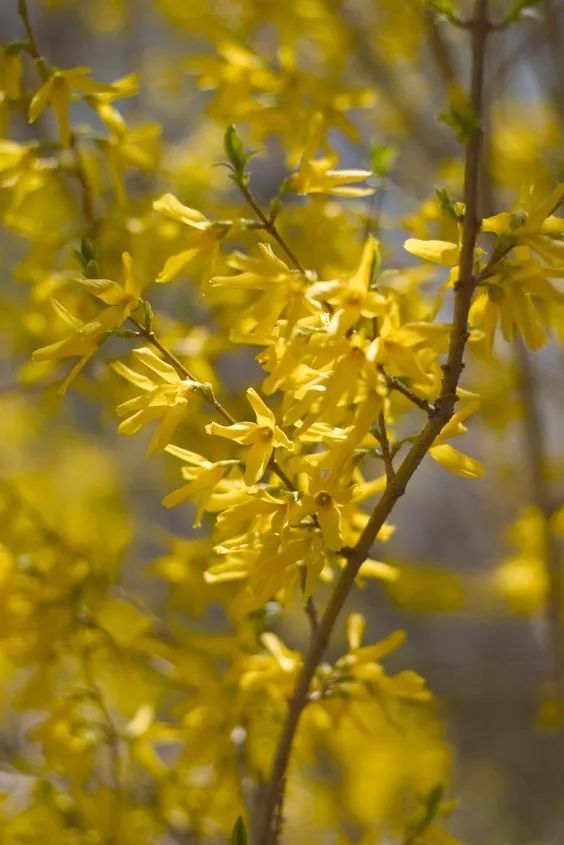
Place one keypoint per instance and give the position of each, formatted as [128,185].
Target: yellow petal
[262,412]
[172,207]
[256,461]
[156,364]
[456,461]
[176,263]
[356,623]
[440,252]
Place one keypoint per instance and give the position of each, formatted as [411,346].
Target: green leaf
[446,203]
[520,9]
[87,250]
[443,7]
[375,268]
[382,158]
[462,119]
[91,269]
[239,833]
[238,158]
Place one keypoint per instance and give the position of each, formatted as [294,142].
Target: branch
[271,798]
[270,227]
[395,384]
[385,446]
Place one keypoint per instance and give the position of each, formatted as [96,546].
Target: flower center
[324,499]
[265,433]
[353,298]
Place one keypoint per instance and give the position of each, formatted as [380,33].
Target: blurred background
[472,591]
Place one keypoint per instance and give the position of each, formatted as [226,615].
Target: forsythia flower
[56,92]
[439,252]
[121,300]
[164,399]
[282,290]
[263,437]
[203,477]
[202,240]
[511,296]
[324,499]
[354,298]
[317,175]
[447,455]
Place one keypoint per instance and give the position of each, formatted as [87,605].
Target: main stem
[270,797]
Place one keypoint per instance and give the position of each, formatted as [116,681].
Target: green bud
[239,833]
[91,269]
[87,249]
[234,149]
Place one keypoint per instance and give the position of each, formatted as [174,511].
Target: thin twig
[33,46]
[395,384]
[272,796]
[271,227]
[386,450]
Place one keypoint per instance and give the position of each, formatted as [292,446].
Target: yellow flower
[121,300]
[203,477]
[165,398]
[324,499]
[56,92]
[274,671]
[535,227]
[203,238]
[354,298]
[263,437]
[512,297]
[439,252]
[449,457]
[318,176]
[284,290]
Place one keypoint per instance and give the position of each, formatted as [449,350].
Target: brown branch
[382,437]
[272,796]
[270,227]
[395,384]
[23,12]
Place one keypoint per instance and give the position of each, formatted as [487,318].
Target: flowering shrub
[203,715]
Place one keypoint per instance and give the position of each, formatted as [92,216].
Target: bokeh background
[476,627]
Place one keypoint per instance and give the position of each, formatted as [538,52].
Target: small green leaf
[446,203]
[462,119]
[87,250]
[375,268]
[91,269]
[382,158]
[442,7]
[521,8]
[239,833]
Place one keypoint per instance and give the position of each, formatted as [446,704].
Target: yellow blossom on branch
[263,437]
[202,239]
[122,300]
[57,91]
[319,176]
[165,398]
